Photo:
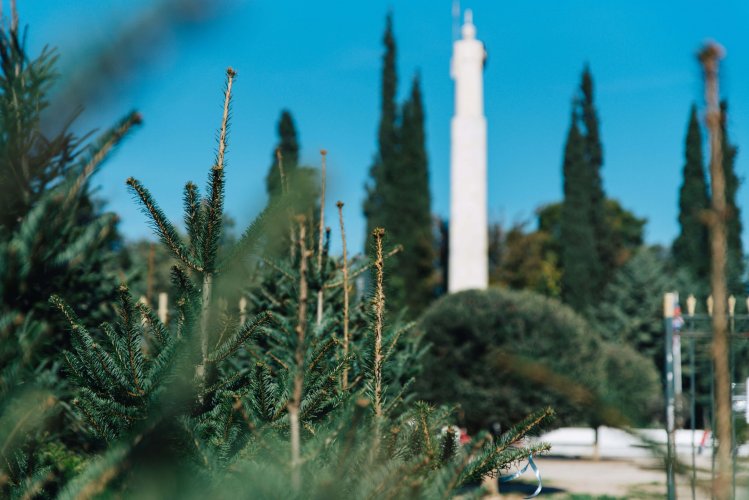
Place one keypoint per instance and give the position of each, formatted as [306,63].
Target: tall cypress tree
[288,146]
[384,169]
[412,281]
[594,162]
[735,264]
[691,248]
[579,257]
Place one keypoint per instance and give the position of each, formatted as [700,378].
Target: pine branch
[246,332]
[194,218]
[363,269]
[378,305]
[162,226]
[98,152]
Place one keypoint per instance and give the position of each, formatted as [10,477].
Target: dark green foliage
[625,229]
[299,187]
[605,247]
[398,196]
[691,250]
[632,396]
[409,224]
[524,260]
[631,307]
[383,171]
[588,243]
[53,238]
[581,266]
[502,352]
[288,148]
[735,261]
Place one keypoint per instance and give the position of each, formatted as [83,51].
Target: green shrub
[503,353]
[632,394]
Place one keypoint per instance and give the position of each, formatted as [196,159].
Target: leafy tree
[691,249]
[502,352]
[625,229]
[524,260]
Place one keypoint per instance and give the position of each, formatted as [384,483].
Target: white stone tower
[469,261]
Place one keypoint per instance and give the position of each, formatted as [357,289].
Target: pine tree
[579,258]
[735,257]
[53,237]
[379,202]
[691,248]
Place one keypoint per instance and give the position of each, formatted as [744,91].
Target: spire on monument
[469,30]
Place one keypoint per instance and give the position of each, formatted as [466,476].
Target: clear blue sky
[321,59]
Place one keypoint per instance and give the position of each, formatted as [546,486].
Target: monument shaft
[468,263]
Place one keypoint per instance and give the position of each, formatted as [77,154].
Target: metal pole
[731,330]
[668,314]
[692,413]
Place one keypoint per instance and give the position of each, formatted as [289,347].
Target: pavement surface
[609,478]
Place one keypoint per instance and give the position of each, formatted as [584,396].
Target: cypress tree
[691,248]
[384,169]
[594,162]
[288,146]
[579,257]
[301,181]
[412,281]
[735,263]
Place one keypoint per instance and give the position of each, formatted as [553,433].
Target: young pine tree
[53,237]
[264,398]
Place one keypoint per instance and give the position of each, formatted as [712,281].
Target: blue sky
[321,60]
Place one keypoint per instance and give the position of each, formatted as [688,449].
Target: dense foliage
[270,372]
[501,352]
[398,189]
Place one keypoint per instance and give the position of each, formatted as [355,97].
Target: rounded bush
[501,354]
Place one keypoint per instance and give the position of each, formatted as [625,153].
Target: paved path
[631,478]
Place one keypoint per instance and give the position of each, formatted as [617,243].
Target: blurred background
[322,62]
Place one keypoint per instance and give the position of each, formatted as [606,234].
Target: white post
[163,307]
[242,310]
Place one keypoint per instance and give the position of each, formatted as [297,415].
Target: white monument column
[469,260]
